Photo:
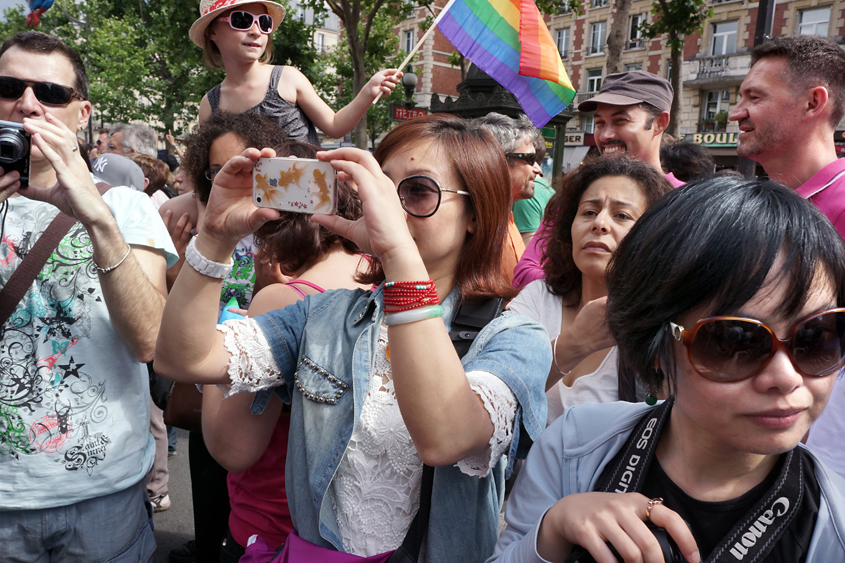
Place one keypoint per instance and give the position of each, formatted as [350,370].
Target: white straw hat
[210,9]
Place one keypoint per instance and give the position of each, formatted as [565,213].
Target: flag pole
[421,41]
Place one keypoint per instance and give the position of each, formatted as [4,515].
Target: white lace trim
[252,366]
[376,490]
[500,403]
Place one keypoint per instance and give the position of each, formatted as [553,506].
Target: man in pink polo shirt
[632,112]
[792,100]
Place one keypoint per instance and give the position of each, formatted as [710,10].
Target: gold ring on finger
[651,504]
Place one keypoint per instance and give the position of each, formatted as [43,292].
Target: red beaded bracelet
[408,295]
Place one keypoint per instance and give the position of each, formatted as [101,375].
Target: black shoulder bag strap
[26,272]
[472,316]
[755,534]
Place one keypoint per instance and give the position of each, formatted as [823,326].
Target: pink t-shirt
[826,190]
[530,266]
[257,495]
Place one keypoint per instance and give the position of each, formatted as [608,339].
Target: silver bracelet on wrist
[554,358]
[109,269]
[203,265]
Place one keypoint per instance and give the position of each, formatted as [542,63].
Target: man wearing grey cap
[632,112]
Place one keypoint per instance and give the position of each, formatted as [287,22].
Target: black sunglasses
[420,195]
[45,92]
[528,157]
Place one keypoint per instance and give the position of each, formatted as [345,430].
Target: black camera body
[671,553]
[15,147]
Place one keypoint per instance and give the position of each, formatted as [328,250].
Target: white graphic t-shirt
[74,407]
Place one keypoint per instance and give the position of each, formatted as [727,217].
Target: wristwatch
[203,265]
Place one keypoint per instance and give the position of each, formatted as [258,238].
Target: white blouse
[376,488]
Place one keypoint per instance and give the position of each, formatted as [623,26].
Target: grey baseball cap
[626,88]
[118,171]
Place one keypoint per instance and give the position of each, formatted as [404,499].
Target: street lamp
[409,82]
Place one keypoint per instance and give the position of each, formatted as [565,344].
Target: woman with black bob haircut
[595,207]
[728,293]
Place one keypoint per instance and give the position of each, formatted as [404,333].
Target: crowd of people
[465,362]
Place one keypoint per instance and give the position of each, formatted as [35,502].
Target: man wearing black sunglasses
[72,385]
[517,138]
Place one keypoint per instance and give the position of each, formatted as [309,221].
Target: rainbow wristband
[414,315]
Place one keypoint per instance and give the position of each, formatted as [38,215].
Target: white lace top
[376,489]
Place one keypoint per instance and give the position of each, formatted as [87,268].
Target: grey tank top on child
[273,106]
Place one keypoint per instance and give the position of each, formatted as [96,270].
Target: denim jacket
[571,455]
[325,348]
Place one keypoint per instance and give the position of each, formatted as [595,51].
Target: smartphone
[301,185]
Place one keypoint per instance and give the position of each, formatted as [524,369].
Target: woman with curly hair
[311,259]
[220,138]
[591,213]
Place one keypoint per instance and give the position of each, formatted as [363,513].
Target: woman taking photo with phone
[236,35]
[375,384]
[729,293]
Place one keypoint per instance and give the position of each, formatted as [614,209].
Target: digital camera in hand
[671,553]
[15,146]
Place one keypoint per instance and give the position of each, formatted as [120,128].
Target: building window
[668,69]
[321,42]
[635,66]
[409,41]
[598,3]
[724,39]
[589,123]
[593,80]
[300,12]
[716,103]
[813,22]
[563,42]
[635,34]
[598,31]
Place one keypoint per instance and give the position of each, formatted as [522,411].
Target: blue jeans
[113,528]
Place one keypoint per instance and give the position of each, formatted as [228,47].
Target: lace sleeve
[500,403]
[252,366]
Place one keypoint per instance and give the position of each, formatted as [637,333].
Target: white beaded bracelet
[414,315]
[203,265]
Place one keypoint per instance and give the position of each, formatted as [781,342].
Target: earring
[651,392]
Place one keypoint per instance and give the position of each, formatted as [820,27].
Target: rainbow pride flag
[509,40]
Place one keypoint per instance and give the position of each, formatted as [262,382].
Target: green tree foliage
[677,19]
[382,52]
[142,66]
[362,20]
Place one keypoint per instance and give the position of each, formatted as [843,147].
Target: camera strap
[756,533]
[26,272]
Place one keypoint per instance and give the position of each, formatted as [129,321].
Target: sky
[8,3]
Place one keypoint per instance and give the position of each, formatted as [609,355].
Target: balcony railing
[713,66]
[712,127]
[634,44]
[583,97]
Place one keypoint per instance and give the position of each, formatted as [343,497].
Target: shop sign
[712,139]
[573,139]
[401,113]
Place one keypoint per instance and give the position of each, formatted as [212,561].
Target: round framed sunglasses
[243,21]
[420,195]
[47,93]
[729,349]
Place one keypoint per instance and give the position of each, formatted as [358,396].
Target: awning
[572,157]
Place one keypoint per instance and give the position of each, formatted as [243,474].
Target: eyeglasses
[529,158]
[210,173]
[420,195]
[243,21]
[45,92]
[728,349]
